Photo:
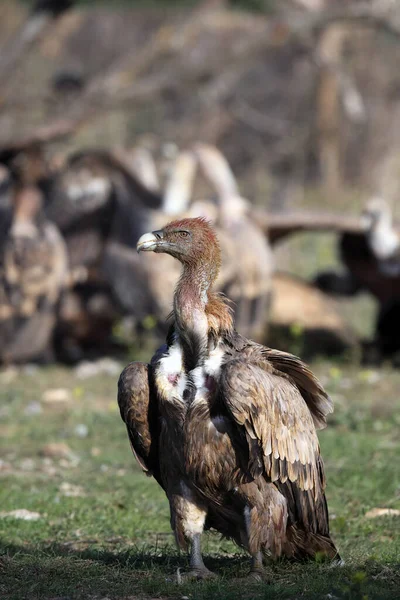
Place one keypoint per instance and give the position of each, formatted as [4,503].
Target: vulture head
[382,238]
[191,241]
[376,212]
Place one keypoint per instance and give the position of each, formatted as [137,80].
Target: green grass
[114,540]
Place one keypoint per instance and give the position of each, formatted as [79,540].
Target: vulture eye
[184,234]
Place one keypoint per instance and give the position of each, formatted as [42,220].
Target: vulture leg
[257,568]
[197,566]
[188,515]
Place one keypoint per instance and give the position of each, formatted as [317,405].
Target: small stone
[95,451]
[4,466]
[27,464]
[56,450]
[81,430]
[71,490]
[9,374]
[86,369]
[56,396]
[107,366]
[382,512]
[32,409]
[4,411]
[30,369]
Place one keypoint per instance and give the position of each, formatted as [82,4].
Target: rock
[21,513]
[32,409]
[56,396]
[30,369]
[81,430]
[382,512]
[27,464]
[107,366]
[71,490]
[9,374]
[5,466]
[56,450]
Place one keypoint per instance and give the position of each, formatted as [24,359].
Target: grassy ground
[104,532]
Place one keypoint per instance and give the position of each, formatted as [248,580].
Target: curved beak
[148,242]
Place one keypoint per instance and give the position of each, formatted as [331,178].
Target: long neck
[190,301]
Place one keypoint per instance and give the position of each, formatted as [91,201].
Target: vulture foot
[257,572]
[255,576]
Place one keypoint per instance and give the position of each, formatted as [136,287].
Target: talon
[258,576]
[197,574]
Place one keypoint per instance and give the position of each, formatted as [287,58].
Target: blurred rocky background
[301,97]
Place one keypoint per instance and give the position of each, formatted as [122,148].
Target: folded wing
[278,403]
[139,411]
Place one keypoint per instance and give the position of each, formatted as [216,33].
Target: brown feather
[138,408]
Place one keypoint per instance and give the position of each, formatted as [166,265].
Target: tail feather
[302,545]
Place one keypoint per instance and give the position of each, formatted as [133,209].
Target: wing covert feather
[317,400]
[274,414]
[138,407]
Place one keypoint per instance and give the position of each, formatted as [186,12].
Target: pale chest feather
[205,377]
[171,379]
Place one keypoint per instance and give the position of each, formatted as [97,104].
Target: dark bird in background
[94,198]
[99,205]
[227,426]
[371,258]
[55,7]
[383,239]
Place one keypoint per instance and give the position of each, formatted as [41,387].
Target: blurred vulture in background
[251,255]
[100,207]
[94,198]
[102,201]
[371,257]
[33,275]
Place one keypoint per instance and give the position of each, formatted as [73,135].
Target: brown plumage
[34,272]
[227,426]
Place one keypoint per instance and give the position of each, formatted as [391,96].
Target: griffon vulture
[247,267]
[226,426]
[145,286]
